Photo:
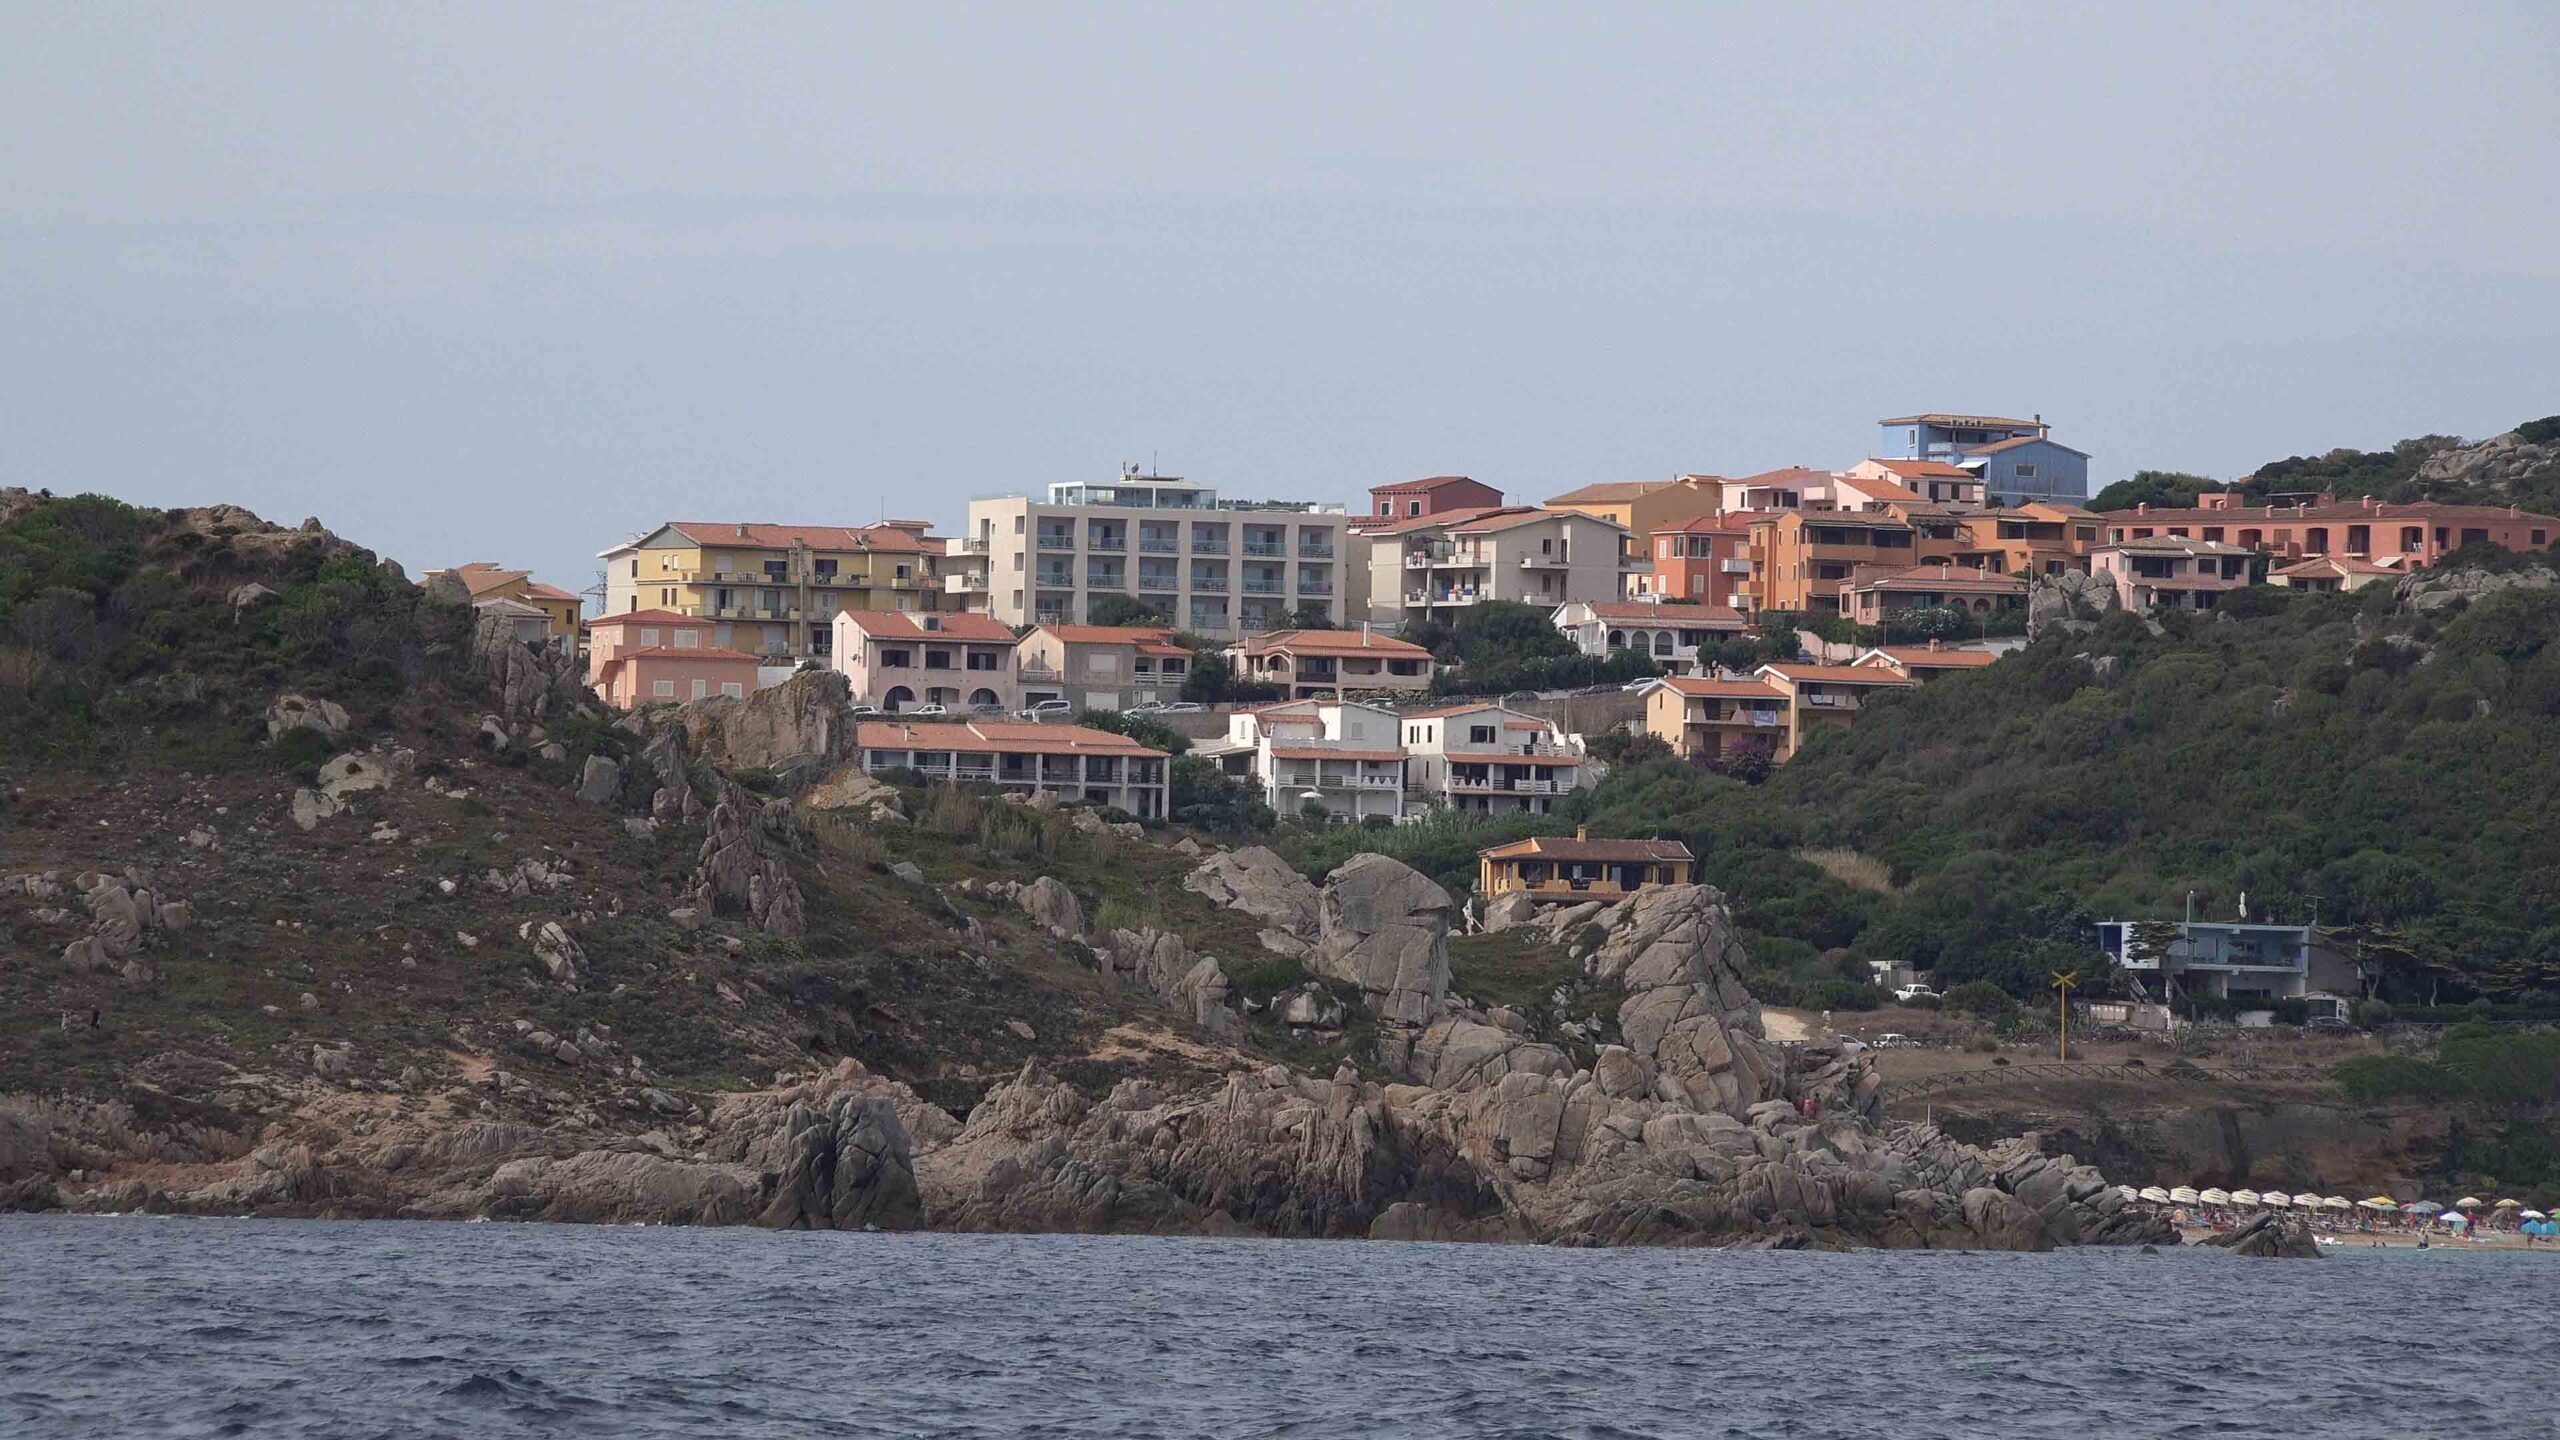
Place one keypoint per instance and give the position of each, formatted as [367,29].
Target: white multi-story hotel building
[1207,565]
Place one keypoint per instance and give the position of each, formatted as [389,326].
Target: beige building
[1206,565]
[1435,566]
[495,589]
[774,589]
[1335,663]
[1093,767]
[1486,759]
[1100,667]
[1644,506]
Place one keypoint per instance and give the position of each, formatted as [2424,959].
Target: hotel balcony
[1052,540]
[1315,587]
[1109,544]
[1314,552]
[1265,547]
[1208,545]
[1156,582]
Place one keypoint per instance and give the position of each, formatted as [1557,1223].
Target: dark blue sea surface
[145,1327]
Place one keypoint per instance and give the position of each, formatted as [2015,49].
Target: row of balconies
[1160,545]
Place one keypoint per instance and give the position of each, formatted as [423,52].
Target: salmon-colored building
[1433,495]
[1702,561]
[1718,719]
[646,657]
[2414,535]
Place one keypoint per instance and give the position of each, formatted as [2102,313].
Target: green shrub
[1979,997]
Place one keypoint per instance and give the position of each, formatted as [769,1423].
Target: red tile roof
[990,737]
[1923,658]
[1506,520]
[1875,489]
[1705,689]
[1567,847]
[646,617]
[951,625]
[1423,486]
[1925,469]
[1734,523]
[1834,674]
[2351,510]
[1105,634]
[715,534]
[1406,523]
[687,652]
[1333,642]
[1712,617]
[1611,492]
[1785,475]
[1442,712]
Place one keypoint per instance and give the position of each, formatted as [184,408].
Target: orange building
[1702,561]
[1552,869]
[1820,696]
[1717,719]
[1799,560]
[2412,535]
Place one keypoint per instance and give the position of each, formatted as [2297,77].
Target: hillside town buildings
[661,657]
[2017,460]
[1071,762]
[1347,762]
[774,589]
[1670,631]
[1199,562]
[2411,535]
[1336,663]
[1435,566]
[1100,667]
[1551,869]
[898,660]
[538,611]
[2171,572]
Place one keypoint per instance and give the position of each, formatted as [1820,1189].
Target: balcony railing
[1106,580]
[1216,584]
[1109,543]
[1545,562]
[1417,562]
[1315,587]
[1315,552]
[1262,587]
[1057,579]
[1265,547]
[1201,545]
[1495,786]
[1159,581]
[1051,541]
[1160,544]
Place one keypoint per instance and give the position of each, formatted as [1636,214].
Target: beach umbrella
[2380,1202]
[2184,1195]
[2127,1192]
[2307,1202]
[2509,1204]
[2278,1199]
[2456,1217]
[2426,1207]
[2469,1202]
[2337,1202]
[2214,1197]
[2155,1195]
[2245,1197]
[2533,1215]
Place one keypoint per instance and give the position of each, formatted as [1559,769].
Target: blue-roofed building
[2019,460]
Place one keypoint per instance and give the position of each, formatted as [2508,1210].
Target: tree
[1213,681]
[1145,729]
[2168,489]
[1110,609]
[1202,797]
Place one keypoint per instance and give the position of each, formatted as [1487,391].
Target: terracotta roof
[1611,492]
[1837,518]
[1308,752]
[1105,634]
[2349,511]
[989,737]
[1705,689]
[715,534]
[1964,422]
[1996,446]
[1924,469]
[2067,511]
[2176,544]
[1443,712]
[687,652]
[1333,642]
[540,591]
[950,625]
[1734,523]
[1405,523]
[479,577]
[1670,613]
[1508,519]
[1784,475]
[646,617]
[1875,489]
[2343,564]
[1938,577]
[1567,847]
[1924,658]
[1422,486]
[1833,674]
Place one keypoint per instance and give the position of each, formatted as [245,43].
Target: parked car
[865,712]
[989,710]
[1639,683]
[1909,993]
[2331,1025]
[928,711]
[1893,1040]
[1851,1044]
[1047,710]
[1521,697]
[1181,707]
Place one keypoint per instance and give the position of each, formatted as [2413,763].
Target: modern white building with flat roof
[1206,564]
[2211,957]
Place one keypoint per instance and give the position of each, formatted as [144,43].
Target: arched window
[1617,639]
[983,696]
[898,698]
[1662,642]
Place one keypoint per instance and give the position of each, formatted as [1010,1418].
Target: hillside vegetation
[2394,767]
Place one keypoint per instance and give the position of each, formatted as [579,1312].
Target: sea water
[148,1327]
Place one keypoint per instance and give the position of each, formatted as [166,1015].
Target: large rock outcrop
[1384,926]
[798,724]
[1258,882]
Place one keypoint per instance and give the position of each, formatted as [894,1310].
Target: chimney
[2142,509]
[1581,832]
[1364,632]
[742,531]
[1936,644]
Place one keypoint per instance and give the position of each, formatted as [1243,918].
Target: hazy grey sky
[510,282]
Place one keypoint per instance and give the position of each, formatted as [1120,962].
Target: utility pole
[2063,980]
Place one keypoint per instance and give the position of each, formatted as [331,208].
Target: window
[665,689]
[688,639]
[2538,539]
[1386,507]
[1413,507]
[2213,532]
[733,689]
[701,688]
[894,659]
[1479,734]
[2025,471]
[1102,663]
[648,636]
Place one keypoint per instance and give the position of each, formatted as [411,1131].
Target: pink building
[2171,572]
[899,659]
[658,657]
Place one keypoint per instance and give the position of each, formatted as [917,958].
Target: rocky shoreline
[1696,1130]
